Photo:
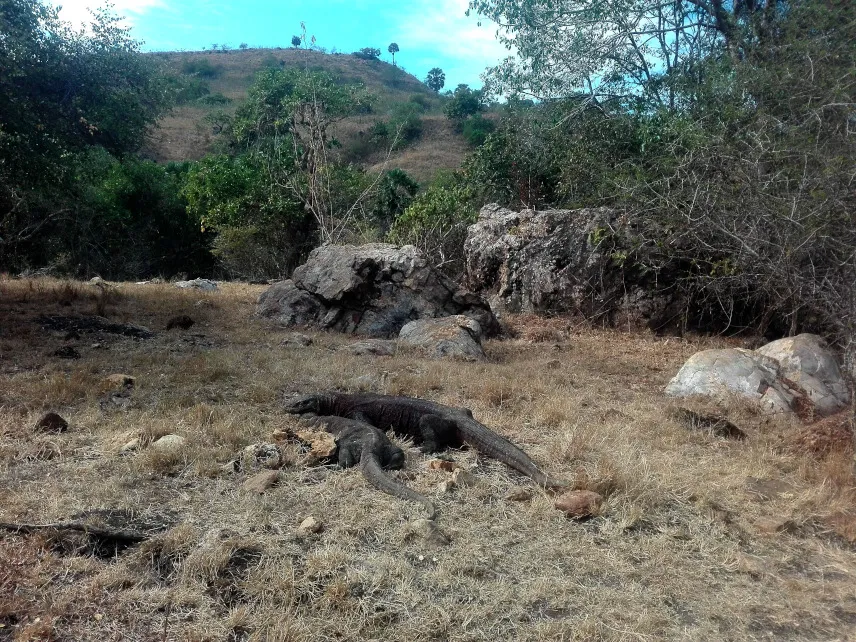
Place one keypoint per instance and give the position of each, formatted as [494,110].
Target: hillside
[185,135]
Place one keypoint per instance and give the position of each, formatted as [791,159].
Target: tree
[368,53]
[295,41]
[243,46]
[285,123]
[465,102]
[632,49]
[63,91]
[435,79]
[393,49]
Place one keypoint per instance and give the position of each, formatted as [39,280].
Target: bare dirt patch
[683,547]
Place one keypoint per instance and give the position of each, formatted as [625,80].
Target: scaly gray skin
[433,426]
[361,443]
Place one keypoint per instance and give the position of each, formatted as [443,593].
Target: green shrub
[203,68]
[214,100]
[436,222]
[477,129]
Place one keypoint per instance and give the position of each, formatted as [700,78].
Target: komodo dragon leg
[437,432]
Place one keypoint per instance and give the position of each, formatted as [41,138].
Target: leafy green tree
[393,49]
[436,222]
[368,53]
[295,41]
[394,194]
[630,50]
[285,123]
[464,103]
[435,79]
[63,91]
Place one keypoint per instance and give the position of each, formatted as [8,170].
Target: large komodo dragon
[432,426]
[360,443]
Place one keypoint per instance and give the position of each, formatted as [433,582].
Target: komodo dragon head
[302,404]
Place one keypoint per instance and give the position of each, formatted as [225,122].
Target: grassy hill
[185,134]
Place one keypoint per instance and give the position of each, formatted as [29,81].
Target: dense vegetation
[727,126]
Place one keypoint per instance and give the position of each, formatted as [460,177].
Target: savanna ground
[700,537]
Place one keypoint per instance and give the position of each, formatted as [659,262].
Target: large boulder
[796,374]
[807,361]
[721,374]
[456,337]
[371,290]
[589,261]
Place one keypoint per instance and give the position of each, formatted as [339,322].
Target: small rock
[463,478]
[197,284]
[67,352]
[182,322]
[117,381]
[131,446]
[169,443]
[310,525]
[773,525]
[447,337]
[280,435]
[296,340]
[262,481]
[428,531]
[373,347]
[518,494]
[51,422]
[96,280]
[113,400]
[446,486]
[442,464]
[553,364]
[579,504]
[261,455]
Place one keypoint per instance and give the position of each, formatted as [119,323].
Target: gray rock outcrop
[371,290]
[587,261]
[807,361]
[448,337]
[206,285]
[793,374]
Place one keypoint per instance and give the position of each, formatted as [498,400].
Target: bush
[436,222]
[406,123]
[367,53]
[421,100]
[476,130]
[203,68]
[214,100]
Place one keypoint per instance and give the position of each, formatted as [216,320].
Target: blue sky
[430,33]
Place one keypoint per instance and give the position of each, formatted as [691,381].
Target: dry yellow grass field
[700,538]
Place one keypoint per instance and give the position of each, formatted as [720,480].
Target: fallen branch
[131,537]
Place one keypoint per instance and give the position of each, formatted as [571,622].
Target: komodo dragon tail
[498,447]
[373,472]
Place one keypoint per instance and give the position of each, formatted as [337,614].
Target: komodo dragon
[361,443]
[433,426]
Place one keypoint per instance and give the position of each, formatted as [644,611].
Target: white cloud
[469,42]
[77,11]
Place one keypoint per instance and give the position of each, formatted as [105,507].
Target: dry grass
[700,538]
